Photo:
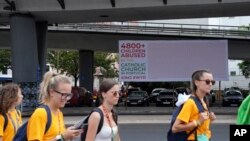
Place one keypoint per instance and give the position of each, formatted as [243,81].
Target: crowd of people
[55,91]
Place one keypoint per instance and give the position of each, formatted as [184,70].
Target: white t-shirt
[106,133]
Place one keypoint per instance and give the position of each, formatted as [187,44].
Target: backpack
[21,134]
[183,136]
[83,124]
[6,119]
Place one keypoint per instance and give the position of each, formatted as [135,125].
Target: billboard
[175,60]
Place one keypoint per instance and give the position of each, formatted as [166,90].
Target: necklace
[59,122]
[109,121]
[14,123]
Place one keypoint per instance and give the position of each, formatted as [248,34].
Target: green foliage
[245,68]
[65,62]
[68,62]
[102,61]
[5,59]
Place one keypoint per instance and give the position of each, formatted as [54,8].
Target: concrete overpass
[98,37]
[29,37]
[79,11]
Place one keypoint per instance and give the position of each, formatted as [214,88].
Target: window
[233,73]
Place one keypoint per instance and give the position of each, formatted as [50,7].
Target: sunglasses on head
[115,93]
[208,81]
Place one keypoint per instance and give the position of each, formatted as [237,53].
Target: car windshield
[136,94]
[156,91]
[233,93]
[167,93]
[182,91]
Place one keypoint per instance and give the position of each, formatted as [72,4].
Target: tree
[65,62]
[102,60]
[245,68]
[5,59]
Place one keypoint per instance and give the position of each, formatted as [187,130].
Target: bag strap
[46,107]
[115,116]
[198,103]
[201,109]
[101,120]
[5,121]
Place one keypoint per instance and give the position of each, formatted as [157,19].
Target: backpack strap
[201,109]
[5,121]
[198,103]
[101,120]
[48,124]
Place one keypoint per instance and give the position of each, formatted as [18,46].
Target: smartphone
[81,126]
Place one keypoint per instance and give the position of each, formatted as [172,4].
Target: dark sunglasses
[115,93]
[208,81]
[68,96]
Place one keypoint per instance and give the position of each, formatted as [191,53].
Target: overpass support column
[24,48]
[42,30]
[86,69]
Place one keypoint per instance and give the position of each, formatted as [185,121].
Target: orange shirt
[11,129]
[37,123]
[189,113]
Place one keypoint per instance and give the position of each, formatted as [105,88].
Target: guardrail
[216,31]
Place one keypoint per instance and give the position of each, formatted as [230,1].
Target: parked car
[154,94]
[166,97]
[232,98]
[182,90]
[132,89]
[211,98]
[77,98]
[138,98]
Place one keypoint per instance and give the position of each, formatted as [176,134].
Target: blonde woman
[55,91]
[10,118]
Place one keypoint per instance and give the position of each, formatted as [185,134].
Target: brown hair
[51,81]
[8,96]
[197,76]
[107,84]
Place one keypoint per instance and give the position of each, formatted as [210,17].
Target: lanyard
[107,116]
[15,124]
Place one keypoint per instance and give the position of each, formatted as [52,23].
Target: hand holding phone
[80,126]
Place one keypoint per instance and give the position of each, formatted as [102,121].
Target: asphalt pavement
[151,114]
[151,110]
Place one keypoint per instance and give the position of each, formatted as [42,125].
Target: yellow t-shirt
[189,113]
[37,124]
[14,122]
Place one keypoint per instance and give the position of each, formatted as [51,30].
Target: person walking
[189,117]
[243,116]
[55,91]
[109,90]
[10,118]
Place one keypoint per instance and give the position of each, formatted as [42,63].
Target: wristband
[195,123]
[198,122]
[59,138]
[62,137]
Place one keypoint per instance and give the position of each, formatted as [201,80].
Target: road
[157,132]
[144,119]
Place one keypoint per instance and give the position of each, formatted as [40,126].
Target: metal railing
[198,30]
[217,31]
